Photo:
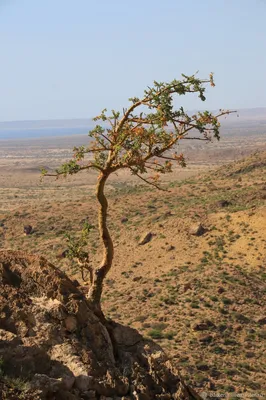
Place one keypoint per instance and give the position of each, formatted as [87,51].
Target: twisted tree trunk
[100,273]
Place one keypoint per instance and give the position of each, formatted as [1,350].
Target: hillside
[202,297]
[53,347]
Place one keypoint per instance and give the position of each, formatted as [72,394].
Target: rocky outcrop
[51,341]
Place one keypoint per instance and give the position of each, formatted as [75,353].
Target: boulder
[205,339]
[170,248]
[223,203]
[49,385]
[71,323]
[145,238]
[261,320]
[242,318]
[27,229]
[63,254]
[203,325]
[197,230]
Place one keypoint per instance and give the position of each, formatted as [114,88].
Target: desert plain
[200,295]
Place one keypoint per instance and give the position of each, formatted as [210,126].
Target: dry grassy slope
[203,298]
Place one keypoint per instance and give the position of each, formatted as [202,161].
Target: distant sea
[247,120]
[41,132]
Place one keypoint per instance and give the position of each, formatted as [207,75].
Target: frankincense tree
[142,139]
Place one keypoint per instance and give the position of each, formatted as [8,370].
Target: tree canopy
[143,137]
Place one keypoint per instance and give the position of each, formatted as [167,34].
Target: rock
[222,328]
[205,339]
[49,385]
[142,396]
[65,395]
[27,229]
[145,238]
[203,325]
[106,398]
[203,367]
[68,381]
[214,373]
[238,327]
[187,286]
[90,395]
[250,354]
[220,290]
[84,382]
[223,203]
[71,323]
[197,230]
[242,318]
[170,248]
[137,278]
[9,337]
[71,351]
[64,254]
[126,336]
[210,385]
[261,320]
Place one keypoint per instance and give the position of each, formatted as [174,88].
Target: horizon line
[91,118]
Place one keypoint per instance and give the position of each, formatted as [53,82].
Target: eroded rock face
[50,337]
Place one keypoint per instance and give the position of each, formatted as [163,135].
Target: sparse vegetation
[237,275]
[143,142]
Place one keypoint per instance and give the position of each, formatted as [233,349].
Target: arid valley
[200,295]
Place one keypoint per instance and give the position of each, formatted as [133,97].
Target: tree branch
[96,150]
[106,138]
[148,99]
[148,182]
[81,168]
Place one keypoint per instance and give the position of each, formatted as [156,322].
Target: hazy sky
[72,58]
